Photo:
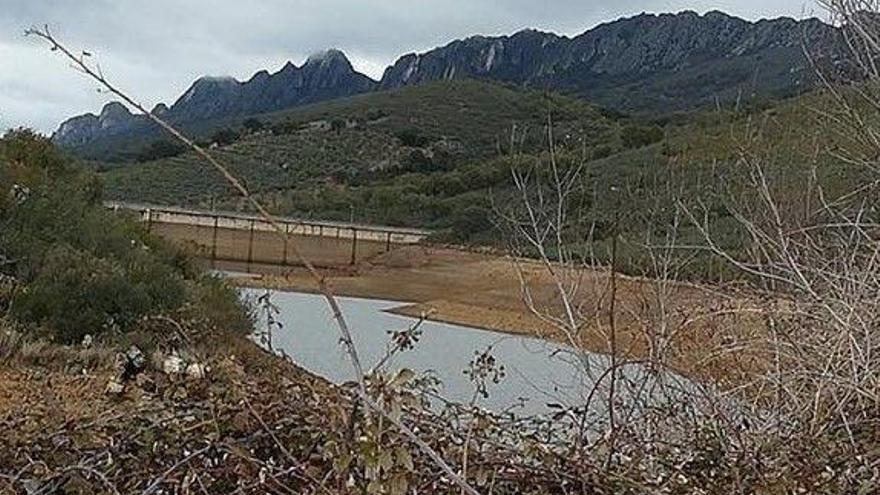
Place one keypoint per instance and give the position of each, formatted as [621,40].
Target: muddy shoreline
[442,285]
[485,291]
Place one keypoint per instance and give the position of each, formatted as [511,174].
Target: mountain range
[649,64]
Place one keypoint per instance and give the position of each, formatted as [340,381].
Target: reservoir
[537,373]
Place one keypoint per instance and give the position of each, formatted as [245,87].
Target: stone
[324,76]
[132,363]
[196,371]
[173,365]
[114,387]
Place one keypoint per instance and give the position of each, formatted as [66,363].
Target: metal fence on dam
[241,237]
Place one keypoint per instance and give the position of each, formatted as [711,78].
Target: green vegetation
[702,85]
[78,269]
[440,156]
[159,149]
[409,157]
[794,353]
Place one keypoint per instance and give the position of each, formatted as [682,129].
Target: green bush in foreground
[81,269]
[77,293]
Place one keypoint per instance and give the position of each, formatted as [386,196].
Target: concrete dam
[246,238]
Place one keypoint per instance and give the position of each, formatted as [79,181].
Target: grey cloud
[156,48]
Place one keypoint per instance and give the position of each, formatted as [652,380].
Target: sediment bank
[488,291]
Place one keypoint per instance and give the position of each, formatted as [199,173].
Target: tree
[413,137]
[637,136]
[225,137]
[30,158]
[337,125]
[159,149]
[472,222]
[253,125]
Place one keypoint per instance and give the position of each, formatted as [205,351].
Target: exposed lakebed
[537,372]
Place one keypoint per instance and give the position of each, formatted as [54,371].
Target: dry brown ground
[703,332]
[695,329]
[62,432]
[52,384]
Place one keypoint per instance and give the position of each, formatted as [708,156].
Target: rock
[159,110]
[196,371]
[647,52]
[114,387]
[324,76]
[133,363]
[173,365]
[20,193]
[136,357]
[114,120]
[648,62]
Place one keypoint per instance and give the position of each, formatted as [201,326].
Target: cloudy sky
[155,48]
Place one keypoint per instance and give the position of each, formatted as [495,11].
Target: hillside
[647,64]
[427,144]
[170,395]
[323,76]
[126,368]
[439,156]
[428,136]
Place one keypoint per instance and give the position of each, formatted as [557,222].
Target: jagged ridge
[324,76]
[653,63]
[671,61]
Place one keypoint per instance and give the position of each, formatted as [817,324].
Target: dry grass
[21,350]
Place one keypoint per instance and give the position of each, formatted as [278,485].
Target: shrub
[637,136]
[472,222]
[337,125]
[253,125]
[225,137]
[77,293]
[602,151]
[160,149]
[29,158]
[417,161]
[213,302]
[413,137]
[81,269]
[374,114]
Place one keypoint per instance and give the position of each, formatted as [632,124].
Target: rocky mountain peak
[207,87]
[77,130]
[324,76]
[717,15]
[259,77]
[159,109]
[645,63]
[288,67]
[113,120]
[115,117]
[113,110]
[329,57]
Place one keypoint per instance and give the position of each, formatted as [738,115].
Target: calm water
[537,372]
